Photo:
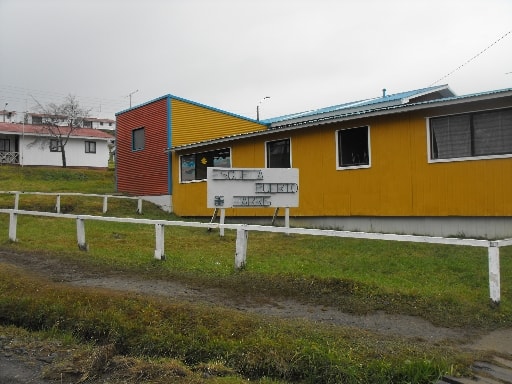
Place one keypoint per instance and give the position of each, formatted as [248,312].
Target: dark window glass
[90,147]
[278,154]
[471,135]
[194,166]
[5,145]
[54,146]
[353,147]
[138,139]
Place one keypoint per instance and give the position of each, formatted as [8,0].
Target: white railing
[242,236]
[9,158]
[58,195]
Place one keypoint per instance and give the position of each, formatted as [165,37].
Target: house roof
[40,130]
[400,102]
[423,94]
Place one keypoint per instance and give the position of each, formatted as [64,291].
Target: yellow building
[422,162]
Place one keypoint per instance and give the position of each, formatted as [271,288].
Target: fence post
[139,206]
[494,271]
[159,241]
[221,221]
[16,200]
[57,204]
[80,234]
[13,221]
[241,247]
[105,204]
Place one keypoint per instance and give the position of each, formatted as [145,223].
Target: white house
[98,123]
[28,144]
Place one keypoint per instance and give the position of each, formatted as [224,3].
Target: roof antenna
[383,92]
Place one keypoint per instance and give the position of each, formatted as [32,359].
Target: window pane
[90,147]
[194,166]
[353,147]
[188,168]
[493,133]
[5,145]
[278,154]
[451,137]
[138,139]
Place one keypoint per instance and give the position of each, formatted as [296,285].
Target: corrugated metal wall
[143,172]
[400,181]
[192,123]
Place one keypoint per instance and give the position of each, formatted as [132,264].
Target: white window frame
[349,167]
[458,159]
[273,141]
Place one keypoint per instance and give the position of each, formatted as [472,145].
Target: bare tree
[59,121]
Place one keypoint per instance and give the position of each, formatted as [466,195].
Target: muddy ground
[24,366]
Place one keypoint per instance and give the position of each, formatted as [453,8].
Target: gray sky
[229,54]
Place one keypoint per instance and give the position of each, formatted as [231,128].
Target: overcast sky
[230,54]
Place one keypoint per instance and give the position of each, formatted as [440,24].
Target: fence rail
[58,195]
[242,230]
[9,157]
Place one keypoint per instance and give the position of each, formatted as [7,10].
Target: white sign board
[252,187]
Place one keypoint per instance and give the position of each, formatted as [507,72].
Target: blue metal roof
[377,102]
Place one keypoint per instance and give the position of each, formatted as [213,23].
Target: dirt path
[379,322]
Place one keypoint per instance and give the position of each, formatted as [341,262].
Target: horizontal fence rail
[242,238]
[58,195]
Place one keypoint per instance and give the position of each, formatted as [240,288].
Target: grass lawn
[447,285]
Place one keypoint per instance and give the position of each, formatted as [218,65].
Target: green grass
[251,346]
[447,285]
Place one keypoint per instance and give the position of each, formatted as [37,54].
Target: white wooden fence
[242,237]
[58,195]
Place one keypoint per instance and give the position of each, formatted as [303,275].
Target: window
[353,147]
[5,145]
[87,123]
[278,154]
[37,119]
[193,166]
[469,135]
[54,146]
[138,139]
[90,147]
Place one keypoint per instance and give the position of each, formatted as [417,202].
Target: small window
[193,166]
[5,145]
[353,146]
[90,147]
[471,135]
[37,120]
[54,146]
[278,154]
[138,139]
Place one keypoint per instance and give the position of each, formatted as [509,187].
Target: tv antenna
[130,96]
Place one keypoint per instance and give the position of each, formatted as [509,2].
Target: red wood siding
[143,172]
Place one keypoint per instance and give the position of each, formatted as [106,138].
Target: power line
[470,60]
[20,95]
